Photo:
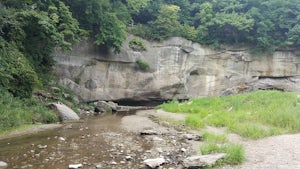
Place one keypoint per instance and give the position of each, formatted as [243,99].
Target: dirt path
[277,152]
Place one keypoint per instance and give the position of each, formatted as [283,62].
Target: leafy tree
[112,32]
[186,31]
[273,20]
[99,18]
[166,23]
[294,36]
[135,6]
[231,26]
[149,13]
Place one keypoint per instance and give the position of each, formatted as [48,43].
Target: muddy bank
[30,130]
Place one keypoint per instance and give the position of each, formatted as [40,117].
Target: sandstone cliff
[178,69]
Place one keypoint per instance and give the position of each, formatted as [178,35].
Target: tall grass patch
[252,115]
[218,143]
[15,112]
[235,153]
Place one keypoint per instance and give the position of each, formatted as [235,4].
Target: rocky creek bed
[136,141]
[109,141]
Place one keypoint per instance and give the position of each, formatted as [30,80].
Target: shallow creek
[95,142]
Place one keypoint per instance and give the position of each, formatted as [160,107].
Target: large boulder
[106,107]
[65,113]
[202,160]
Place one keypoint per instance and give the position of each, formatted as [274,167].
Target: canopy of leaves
[264,24]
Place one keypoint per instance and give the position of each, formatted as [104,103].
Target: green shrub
[137,45]
[16,74]
[142,65]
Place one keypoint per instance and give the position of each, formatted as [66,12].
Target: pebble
[128,158]
[159,150]
[3,164]
[113,163]
[74,166]
[42,146]
[61,139]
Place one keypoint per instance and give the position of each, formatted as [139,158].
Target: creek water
[97,141]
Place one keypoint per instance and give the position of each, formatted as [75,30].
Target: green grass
[253,115]
[235,153]
[218,143]
[16,112]
[214,138]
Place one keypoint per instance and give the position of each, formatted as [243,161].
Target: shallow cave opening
[147,103]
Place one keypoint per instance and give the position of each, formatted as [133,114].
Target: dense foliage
[29,33]
[16,74]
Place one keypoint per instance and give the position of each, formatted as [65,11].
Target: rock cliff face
[178,69]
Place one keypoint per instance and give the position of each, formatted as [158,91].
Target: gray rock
[149,132]
[3,164]
[202,160]
[106,107]
[64,112]
[91,84]
[153,163]
[187,49]
[195,137]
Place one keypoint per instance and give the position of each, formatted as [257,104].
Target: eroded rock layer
[178,69]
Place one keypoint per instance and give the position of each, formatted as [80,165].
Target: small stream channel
[95,142]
